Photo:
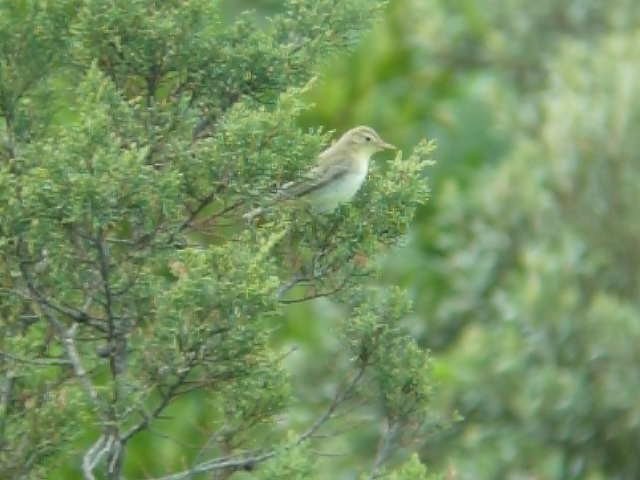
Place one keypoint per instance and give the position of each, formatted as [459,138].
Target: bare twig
[328,454]
[384,449]
[93,456]
[295,280]
[248,461]
[213,438]
[68,341]
[36,361]
[327,293]
[340,397]
[203,128]
[233,463]
[106,441]
[79,316]
[167,396]
[218,214]
[5,401]
[204,202]
[105,273]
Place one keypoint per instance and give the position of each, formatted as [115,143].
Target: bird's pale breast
[341,189]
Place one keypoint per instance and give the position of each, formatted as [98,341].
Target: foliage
[136,304]
[281,350]
[523,268]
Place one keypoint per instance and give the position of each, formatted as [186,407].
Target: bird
[338,174]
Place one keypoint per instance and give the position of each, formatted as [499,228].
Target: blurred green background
[525,266]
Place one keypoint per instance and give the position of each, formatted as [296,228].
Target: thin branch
[384,449]
[5,401]
[318,273]
[233,463]
[116,359]
[295,280]
[204,202]
[213,438]
[93,456]
[36,361]
[327,293]
[328,454]
[105,276]
[167,396]
[248,461]
[75,314]
[115,457]
[340,397]
[201,130]
[171,438]
[216,215]
[68,341]
[103,263]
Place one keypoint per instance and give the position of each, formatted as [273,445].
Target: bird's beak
[387,146]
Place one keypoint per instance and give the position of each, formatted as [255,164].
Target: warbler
[338,174]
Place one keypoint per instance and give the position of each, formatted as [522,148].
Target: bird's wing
[327,170]
[317,178]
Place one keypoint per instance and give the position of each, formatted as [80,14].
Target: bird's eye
[367,138]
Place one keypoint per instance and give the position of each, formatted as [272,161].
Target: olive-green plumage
[338,174]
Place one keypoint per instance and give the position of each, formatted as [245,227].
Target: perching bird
[338,174]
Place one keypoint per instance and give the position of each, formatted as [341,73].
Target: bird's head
[364,139]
